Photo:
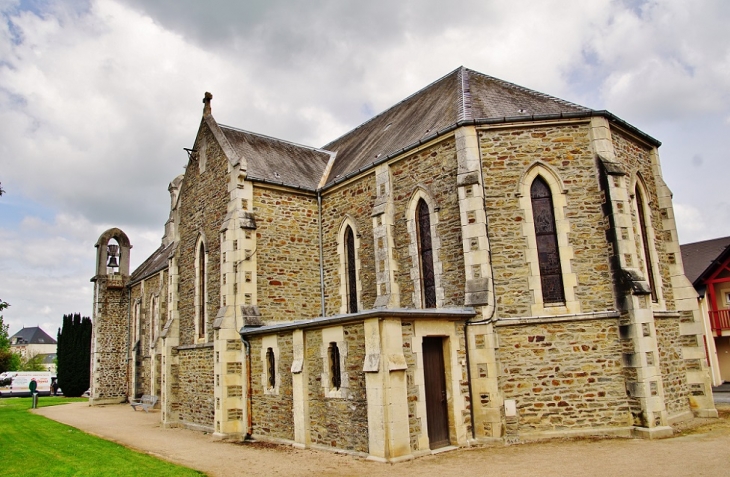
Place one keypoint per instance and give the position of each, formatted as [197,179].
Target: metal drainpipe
[468,368]
[321,252]
[249,406]
[129,335]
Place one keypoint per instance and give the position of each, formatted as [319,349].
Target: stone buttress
[637,324]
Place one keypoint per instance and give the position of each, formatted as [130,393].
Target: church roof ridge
[461,96]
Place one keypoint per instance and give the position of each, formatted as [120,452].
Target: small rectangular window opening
[271,367]
[334,361]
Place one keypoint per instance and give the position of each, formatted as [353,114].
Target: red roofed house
[707,266]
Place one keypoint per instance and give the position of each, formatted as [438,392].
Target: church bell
[112,251]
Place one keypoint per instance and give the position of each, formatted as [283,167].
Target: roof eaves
[633,129]
[502,120]
[280,183]
[457,314]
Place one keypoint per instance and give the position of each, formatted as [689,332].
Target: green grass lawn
[32,445]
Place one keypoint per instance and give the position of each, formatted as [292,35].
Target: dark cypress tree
[74,355]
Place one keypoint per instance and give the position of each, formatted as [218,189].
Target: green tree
[6,356]
[74,355]
[7,360]
[34,363]
[4,337]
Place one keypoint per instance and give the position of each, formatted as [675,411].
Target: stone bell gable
[480,261]
[110,341]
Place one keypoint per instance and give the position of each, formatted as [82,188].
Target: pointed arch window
[644,234]
[136,323]
[201,290]
[551,276]
[425,253]
[350,271]
[155,319]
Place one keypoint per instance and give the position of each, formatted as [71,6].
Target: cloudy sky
[98,98]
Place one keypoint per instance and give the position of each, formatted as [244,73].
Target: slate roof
[278,161]
[698,257]
[32,335]
[154,263]
[463,95]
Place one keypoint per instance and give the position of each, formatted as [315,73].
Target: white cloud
[665,61]
[46,267]
[691,224]
[98,98]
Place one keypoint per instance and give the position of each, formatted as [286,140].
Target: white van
[21,381]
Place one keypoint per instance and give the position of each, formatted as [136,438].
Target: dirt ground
[700,449]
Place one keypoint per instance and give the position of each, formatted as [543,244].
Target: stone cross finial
[206,101]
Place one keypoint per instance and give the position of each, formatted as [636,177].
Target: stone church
[480,262]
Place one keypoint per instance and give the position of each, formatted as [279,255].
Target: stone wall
[631,373]
[203,206]
[434,169]
[563,375]
[354,200]
[672,365]
[134,365]
[145,355]
[338,422]
[415,425]
[506,155]
[287,255]
[109,341]
[273,412]
[195,382]
[463,377]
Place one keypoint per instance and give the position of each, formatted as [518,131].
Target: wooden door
[437,414]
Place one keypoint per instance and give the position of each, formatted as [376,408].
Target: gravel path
[701,451]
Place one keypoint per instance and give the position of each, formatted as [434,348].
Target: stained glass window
[551,276]
[351,277]
[201,291]
[423,220]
